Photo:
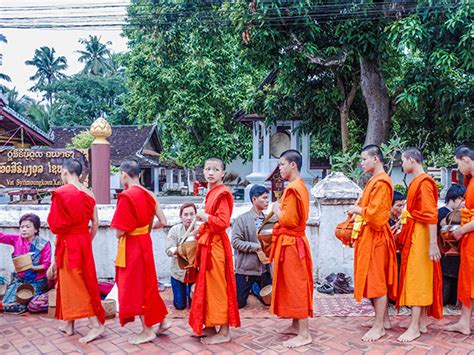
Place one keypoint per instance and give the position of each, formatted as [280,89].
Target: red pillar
[100,161]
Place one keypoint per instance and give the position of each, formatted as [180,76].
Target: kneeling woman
[29,241]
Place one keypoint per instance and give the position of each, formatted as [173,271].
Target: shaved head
[373,151]
[217,160]
[293,156]
[415,154]
[131,167]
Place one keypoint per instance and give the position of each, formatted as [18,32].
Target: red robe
[375,261]
[292,288]
[71,211]
[137,282]
[213,245]
[466,269]
[422,200]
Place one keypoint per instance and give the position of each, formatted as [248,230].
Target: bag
[264,233]
[343,232]
[447,244]
[186,252]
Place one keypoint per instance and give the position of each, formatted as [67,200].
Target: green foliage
[3,76]
[96,56]
[82,140]
[392,151]
[82,98]
[349,164]
[442,158]
[189,82]
[400,188]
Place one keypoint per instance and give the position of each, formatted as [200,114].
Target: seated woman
[39,248]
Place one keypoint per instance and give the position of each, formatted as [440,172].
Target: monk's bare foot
[370,323]
[93,334]
[410,335]
[67,328]
[374,334]
[216,339]
[163,327]
[208,332]
[144,337]
[459,327]
[289,330]
[298,341]
[423,327]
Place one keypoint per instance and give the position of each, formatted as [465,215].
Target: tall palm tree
[3,76]
[42,116]
[48,70]
[95,56]
[115,65]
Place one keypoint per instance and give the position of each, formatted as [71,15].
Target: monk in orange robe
[77,293]
[292,288]
[420,283]
[214,303]
[135,267]
[375,261]
[464,157]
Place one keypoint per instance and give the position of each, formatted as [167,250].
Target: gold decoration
[101,130]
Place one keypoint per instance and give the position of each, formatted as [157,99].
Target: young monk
[464,157]
[77,295]
[420,283]
[214,302]
[135,266]
[375,261]
[292,288]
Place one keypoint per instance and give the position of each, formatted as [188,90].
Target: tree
[49,70]
[82,98]
[96,56]
[16,102]
[316,39]
[188,81]
[42,116]
[3,76]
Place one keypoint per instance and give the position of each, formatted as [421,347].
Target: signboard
[38,168]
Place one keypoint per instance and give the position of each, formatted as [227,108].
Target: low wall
[105,242]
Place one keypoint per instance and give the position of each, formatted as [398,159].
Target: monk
[464,157]
[375,261]
[420,283]
[214,303]
[292,288]
[135,266]
[77,294]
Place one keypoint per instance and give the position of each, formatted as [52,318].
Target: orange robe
[466,270]
[420,278]
[375,261]
[136,281]
[215,296]
[77,294]
[292,289]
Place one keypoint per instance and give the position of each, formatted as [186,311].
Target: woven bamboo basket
[24,293]
[51,303]
[266,294]
[22,262]
[110,308]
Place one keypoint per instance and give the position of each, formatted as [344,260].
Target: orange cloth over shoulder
[215,295]
[137,282]
[422,198]
[466,270]
[292,293]
[375,261]
[77,295]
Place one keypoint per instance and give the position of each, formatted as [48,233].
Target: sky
[23,42]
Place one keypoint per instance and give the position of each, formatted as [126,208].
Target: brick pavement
[31,334]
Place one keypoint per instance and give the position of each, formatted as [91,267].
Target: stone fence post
[334,194]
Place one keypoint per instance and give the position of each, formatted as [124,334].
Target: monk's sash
[290,237]
[358,223]
[120,260]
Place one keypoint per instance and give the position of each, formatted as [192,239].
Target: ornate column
[100,160]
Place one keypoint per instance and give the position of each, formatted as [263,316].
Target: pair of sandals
[336,283]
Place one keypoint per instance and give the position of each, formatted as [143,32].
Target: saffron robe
[292,288]
[77,294]
[466,269]
[420,282]
[215,295]
[375,261]
[137,282]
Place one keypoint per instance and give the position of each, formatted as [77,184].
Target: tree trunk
[377,101]
[344,116]
[345,107]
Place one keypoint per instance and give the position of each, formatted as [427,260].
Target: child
[215,297]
